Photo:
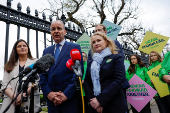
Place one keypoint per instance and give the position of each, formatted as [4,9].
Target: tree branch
[117,14]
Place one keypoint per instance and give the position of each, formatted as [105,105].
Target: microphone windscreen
[75,55]
[69,63]
[27,70]
[44,63]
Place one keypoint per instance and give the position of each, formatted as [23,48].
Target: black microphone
[41,65]
[24,72]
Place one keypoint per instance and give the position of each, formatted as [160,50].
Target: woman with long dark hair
[138,67]
[19,59]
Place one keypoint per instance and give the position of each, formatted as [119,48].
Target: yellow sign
[161,87]
[153,42]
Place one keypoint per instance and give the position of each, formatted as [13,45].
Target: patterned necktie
[57,52]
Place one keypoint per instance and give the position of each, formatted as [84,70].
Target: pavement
[154,107]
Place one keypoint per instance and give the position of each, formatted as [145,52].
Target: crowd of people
[104,79]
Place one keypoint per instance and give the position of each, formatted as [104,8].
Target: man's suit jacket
[59,77]
[112,78]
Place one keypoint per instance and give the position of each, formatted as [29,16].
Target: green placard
[84,42]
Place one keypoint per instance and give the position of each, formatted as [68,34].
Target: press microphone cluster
[41,65]
[74,62]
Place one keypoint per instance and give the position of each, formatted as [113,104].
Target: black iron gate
[16,17]
[12,16]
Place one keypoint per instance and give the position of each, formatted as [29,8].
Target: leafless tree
[87,13]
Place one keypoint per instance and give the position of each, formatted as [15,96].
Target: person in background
[19,59]
[105,77]
[59,83]
[138,67]
[85,66]
[164,76]
[155,59]
[102,29]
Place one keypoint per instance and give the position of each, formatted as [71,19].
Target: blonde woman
[105,77]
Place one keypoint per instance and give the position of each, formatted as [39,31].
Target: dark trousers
[163,104]
[146,109]
[86,104]
[124,92]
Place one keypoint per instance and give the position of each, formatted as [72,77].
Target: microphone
[70,64]
[41,65]
[76,58]
[24,72]
[75,55]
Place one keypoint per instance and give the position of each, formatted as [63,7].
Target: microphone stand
[31,76]
[24,99]
[31,109]
[14,98]
[77,70]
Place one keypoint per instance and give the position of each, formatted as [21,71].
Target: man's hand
[61,96]
[82,81]
[57,101]
[94,103]
[166,78]
[51,96]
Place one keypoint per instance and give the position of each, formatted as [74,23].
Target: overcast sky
[156,14]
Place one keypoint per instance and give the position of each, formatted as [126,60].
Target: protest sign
[153,41]
[127,64]
[112,29]
[140,93]
[161,87]
[84,42]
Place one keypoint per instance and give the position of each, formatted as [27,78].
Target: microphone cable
[81,89]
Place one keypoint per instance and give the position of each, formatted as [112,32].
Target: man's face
[57,31]
[100,29]
[84,57]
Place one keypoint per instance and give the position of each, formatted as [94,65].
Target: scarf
[95,69]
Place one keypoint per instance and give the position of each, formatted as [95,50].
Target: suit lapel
[52,50]
[62,52]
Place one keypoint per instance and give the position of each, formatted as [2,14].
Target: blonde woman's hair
[157,54]
[110,44]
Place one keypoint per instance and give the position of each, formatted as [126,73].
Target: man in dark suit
[58,84]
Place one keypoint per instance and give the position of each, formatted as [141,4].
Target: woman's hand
[18,100]
[100,109]
[166,78]
[94,103]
